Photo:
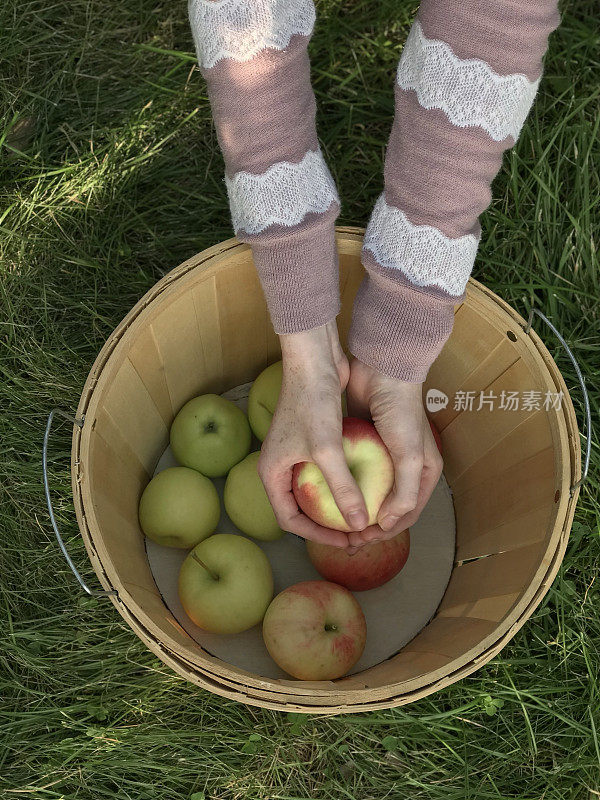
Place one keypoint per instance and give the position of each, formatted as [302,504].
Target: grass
[110,176]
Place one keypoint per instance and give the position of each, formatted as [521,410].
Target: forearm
[465,83]
[282,197]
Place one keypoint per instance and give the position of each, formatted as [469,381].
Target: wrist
[376,381]
[308,348]
[314,353]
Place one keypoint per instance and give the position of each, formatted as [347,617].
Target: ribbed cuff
[299,272]
[398,329]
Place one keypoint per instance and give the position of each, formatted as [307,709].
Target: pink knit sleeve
[465,82]
[282,196]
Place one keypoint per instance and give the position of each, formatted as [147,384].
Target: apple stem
[330,627]
[202,564]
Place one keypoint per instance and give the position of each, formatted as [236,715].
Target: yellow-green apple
[179,508]
[226,584]
[370,566]
[262,400]
[210,434]
[370,464]
[315,630]
[246,501]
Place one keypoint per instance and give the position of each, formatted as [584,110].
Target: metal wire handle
[82,583]
[584,391]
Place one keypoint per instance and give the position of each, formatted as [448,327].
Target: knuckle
[418,462]
[412,462]
[267,465]
[438,464]
[407,450]
[404,506]
[262,467]
[283,520]
[323,451]
[344,493]
[407,439]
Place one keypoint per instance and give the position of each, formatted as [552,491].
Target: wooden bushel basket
[514,474]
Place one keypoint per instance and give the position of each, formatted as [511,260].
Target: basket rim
[284,695]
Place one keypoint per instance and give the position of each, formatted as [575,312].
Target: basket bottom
[395,612]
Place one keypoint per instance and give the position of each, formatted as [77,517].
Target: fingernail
[358,520]
[387,523]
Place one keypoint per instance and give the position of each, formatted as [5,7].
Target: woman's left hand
[396,408]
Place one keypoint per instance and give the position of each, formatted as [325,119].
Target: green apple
[262,400]
[247,503]
[179,508]
[210,434]
[226,584]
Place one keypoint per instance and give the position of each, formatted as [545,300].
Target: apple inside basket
[394,612]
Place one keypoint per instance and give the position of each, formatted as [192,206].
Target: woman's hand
[307,426]
[397,410]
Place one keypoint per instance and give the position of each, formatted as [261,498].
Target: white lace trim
[468,91]
[421,252]
[239,29]
[283,194]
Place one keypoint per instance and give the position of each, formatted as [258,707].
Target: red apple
[372,565]
[315,630]
[371,465]
[436,436]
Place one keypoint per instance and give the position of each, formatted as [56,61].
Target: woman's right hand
[307,426]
